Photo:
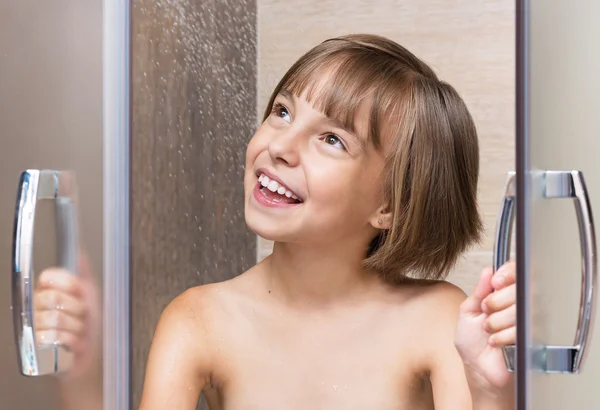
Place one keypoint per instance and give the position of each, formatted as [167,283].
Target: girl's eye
[281,112]
[334,140]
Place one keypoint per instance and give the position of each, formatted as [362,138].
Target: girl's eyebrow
[285,93]
[334,122]
[337,124]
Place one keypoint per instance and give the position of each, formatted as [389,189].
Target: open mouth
[276,192]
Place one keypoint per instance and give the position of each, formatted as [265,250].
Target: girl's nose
[284,148]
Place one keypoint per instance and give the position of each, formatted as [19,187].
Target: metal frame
[523,364]
[116,135]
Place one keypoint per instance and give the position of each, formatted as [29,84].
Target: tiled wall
[469,43]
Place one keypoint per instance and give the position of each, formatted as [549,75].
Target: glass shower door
[559,176]
[64,149]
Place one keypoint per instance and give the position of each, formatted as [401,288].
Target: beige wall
[469,43]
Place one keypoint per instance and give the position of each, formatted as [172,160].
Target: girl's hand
[67,312]
[487,322]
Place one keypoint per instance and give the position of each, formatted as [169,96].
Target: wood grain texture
[194,93]
[469,44]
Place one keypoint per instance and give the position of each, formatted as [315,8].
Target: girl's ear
[382,218]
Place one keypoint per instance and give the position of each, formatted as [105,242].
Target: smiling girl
[364,174]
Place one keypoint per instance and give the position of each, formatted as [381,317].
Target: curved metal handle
[36,359]
[504,226]
[558,184]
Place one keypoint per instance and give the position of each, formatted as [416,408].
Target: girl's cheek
[253,149]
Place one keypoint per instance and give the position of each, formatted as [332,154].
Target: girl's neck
[317,276]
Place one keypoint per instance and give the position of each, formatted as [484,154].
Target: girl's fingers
[59,321]
[499,321]
[49,299]
[499,300]
[59,280]
[504,337]
[54,336]
[505,276]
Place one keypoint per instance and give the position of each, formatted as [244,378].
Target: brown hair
[432,165]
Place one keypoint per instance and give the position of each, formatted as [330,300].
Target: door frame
[116,73]
[522,234]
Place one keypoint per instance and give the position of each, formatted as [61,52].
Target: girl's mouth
[273,193]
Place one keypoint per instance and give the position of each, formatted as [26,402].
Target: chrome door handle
[37,359]
[557,184]
[504,226]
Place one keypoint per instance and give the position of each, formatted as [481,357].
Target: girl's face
[308,180]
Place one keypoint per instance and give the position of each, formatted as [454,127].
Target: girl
[364,174]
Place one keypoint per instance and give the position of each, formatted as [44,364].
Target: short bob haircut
[432,163]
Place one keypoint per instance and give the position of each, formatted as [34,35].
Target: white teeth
[274,186]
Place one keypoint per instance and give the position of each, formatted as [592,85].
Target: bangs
[340,84]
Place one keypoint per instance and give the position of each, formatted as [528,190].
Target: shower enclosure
[149,104]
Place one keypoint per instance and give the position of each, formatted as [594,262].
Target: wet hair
[431,148]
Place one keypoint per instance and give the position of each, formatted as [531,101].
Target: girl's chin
[270,231]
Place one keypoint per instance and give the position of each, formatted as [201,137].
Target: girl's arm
[179,363]
[481,382]
[176,372]
[68,309]
[486,323]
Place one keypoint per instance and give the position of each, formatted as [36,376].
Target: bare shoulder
[190,307]
[441,294]
[434,304]
[429,293]
[208,310]
[203,306]
[439,300]
[184,324]
[181,361]
[430,309]
[196,301]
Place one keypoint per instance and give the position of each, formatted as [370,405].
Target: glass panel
[564,135]
[51,119]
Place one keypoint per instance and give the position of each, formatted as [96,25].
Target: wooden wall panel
[193,98]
